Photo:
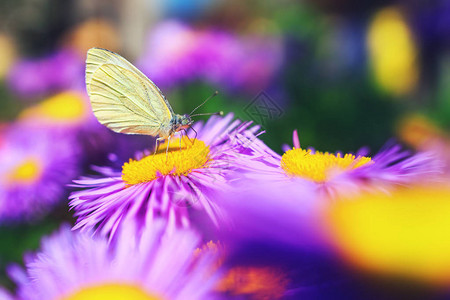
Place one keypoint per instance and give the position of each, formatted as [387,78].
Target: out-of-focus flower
[36,77]
[419,132]
[276,230]
[338,173]
[177,53]
[422,134]
[287,229]
[95,32]
[404,234]
[74,265]
[69,113]
[6,295]
[8,53]
[254,282]
[35,167]
[68,108]
[393,52]
[249,281]
[165,183]
[278,214]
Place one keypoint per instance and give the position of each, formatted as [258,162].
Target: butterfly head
[186,120]
[180,122]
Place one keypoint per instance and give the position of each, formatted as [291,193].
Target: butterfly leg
[185,133]
[157,144]
[195,132]
[168,142]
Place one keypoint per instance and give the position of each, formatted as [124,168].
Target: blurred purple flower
[75,265]
[278,227]
[35,166]
[69,113]
[277,213]
[282,227]
[6,295]
[177,53]
[36,77]
[163,185]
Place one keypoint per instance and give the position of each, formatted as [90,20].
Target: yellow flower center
[405,233]
[26,172]
[66,106]
[176,162]
[317,166]
[112,292]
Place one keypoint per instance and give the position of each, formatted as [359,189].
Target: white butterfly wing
[124,99]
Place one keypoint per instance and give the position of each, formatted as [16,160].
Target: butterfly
[126,101]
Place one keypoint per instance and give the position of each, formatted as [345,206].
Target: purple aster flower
[164,184]
[346,173]
[34,77]
[73,265]
[177,53]
[35,166]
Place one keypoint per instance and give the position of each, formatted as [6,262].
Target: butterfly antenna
[207,99]
[219,113]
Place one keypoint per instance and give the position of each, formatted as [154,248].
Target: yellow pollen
[26,172]
[66,106]
[209,246]
[176,162]
[317,166]
[112,291]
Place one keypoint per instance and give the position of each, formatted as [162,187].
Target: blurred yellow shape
[27,172]
[8,54]
[405,234]
[67,107]
[392,52]
[112,291]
